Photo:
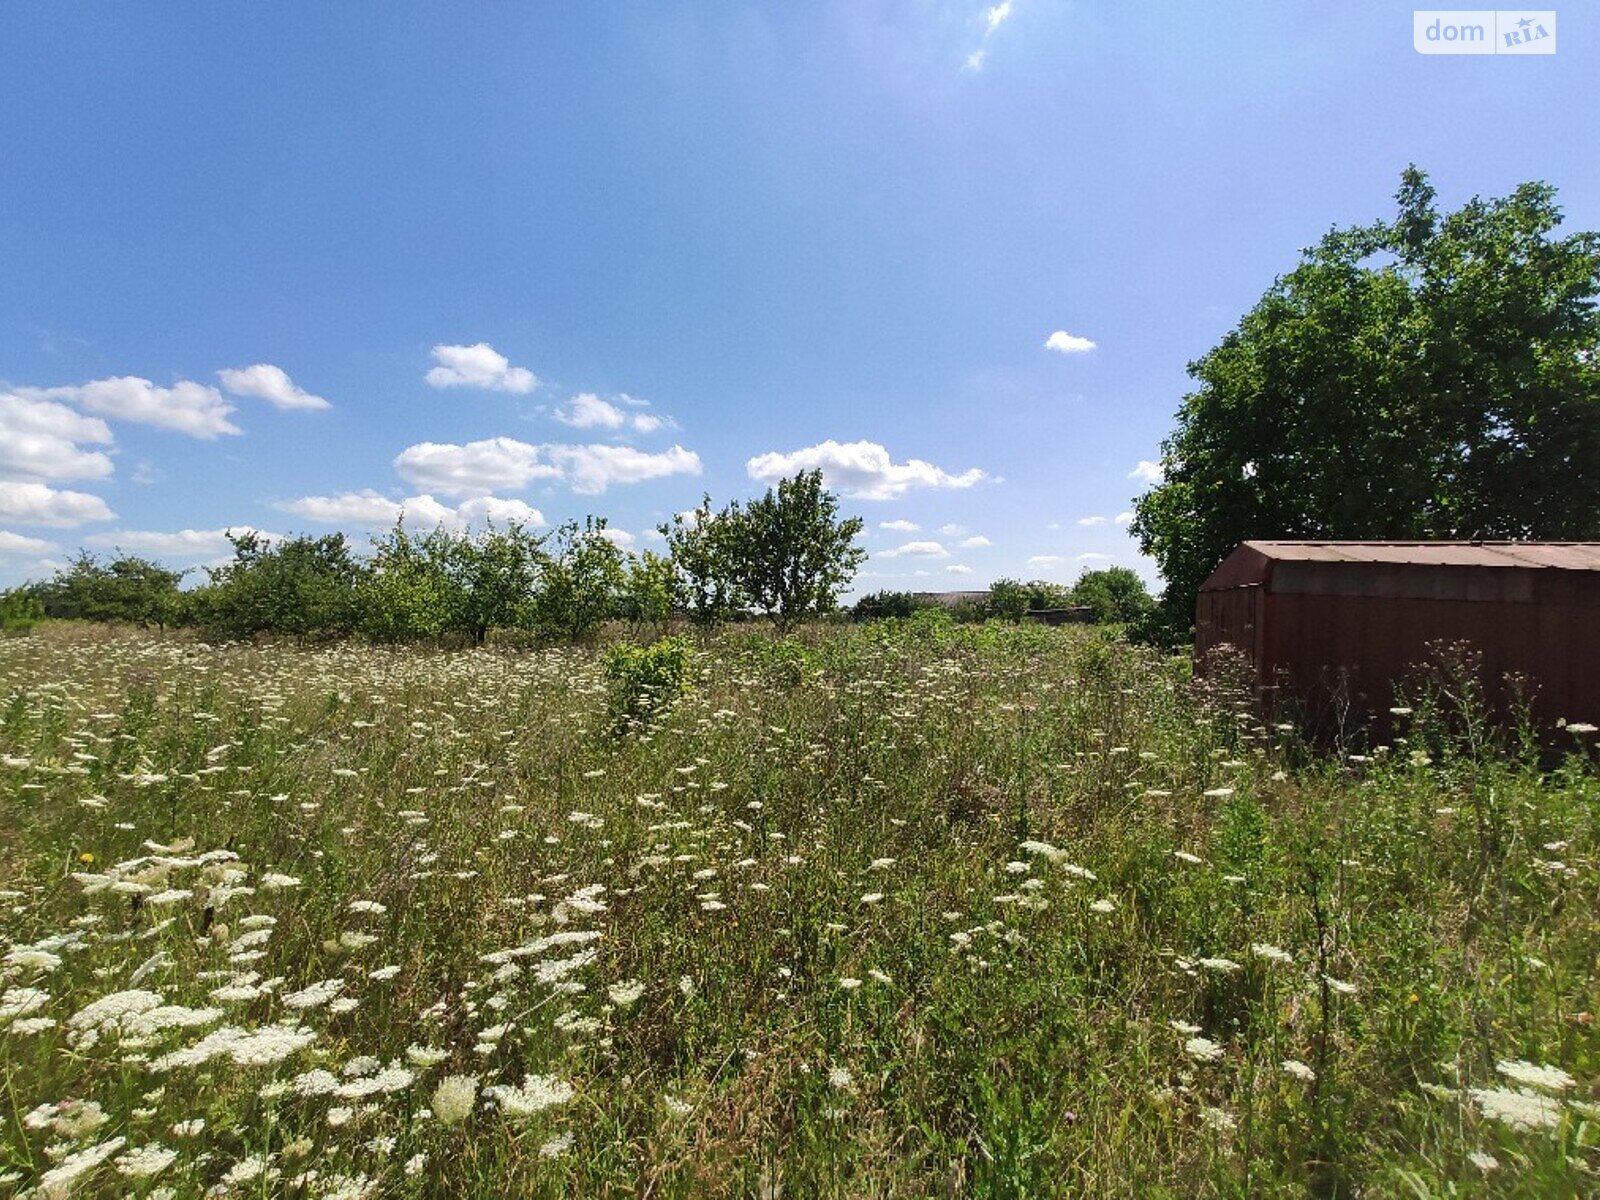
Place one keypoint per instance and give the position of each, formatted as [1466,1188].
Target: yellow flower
[86,858]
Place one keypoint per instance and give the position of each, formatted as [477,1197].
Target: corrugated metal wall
[1377,642]
[1318,630]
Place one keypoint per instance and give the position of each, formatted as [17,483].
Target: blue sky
[292,266]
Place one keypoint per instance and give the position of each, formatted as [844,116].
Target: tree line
[1110,596]
[785,556]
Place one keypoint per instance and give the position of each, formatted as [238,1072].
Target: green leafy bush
[122,588]
[644,680]
[19,612]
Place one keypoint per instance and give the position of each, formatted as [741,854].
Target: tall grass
[899,910]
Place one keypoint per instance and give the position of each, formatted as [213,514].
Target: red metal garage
[1310,614]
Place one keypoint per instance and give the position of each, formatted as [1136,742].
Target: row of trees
[1113,595]
[786,556]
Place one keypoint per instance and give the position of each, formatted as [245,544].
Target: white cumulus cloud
[505,464]
[272,384]
[479,365]
[900,526]
[861,470]
[372,509]
[590,470]
[1147,472]
[16,543]
[958,569]
[365,507]
[916,550]
[1124,518]
[976,542]
[1091,520]
[38,504]
[180,543]
[39,441]
[499,510]
[1093,556]
[1068,343]
[477,468]
[620,538]
[192,408]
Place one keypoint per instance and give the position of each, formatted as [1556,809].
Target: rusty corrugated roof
[1567,556]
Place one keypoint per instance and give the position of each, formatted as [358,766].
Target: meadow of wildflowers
[897,910]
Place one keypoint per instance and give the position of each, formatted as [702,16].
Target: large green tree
[1433,376]
[303,586]
[697,546]
[1115,595]
[789,551]
[123,588]
[581,580]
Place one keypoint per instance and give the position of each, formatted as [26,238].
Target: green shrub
[122,588]
[19,611]
[644,680]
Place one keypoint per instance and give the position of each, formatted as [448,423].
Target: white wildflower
[59,1180]
[626,993]
[1218,1120]
[146,1161]
[1202,1049]
[425,1056]
[537,1093]
[1523,1110]
[557,1146]
[1549,1079]
[1270,953]
[20,1001]
[315,995]
[453,1099]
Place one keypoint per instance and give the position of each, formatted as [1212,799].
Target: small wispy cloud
[993,18]
[916,550]
[1147,472]
[588,411]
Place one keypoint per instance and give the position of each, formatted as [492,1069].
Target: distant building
[1324,620]
[951,599]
